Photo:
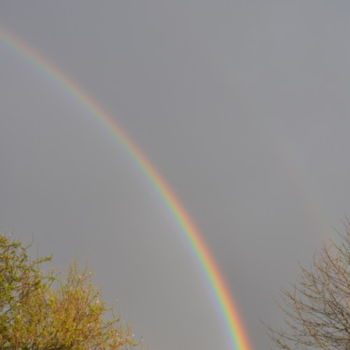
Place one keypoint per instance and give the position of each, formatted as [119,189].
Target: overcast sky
[242,105]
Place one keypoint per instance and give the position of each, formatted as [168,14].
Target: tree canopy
[317,307]
[40,311]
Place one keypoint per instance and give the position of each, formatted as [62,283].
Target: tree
[39,311]
[317,307]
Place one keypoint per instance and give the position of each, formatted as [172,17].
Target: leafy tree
[38,311]
[317,307]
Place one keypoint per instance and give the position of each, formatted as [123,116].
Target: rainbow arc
[223,297]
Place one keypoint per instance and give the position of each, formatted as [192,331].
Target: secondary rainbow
[234,324]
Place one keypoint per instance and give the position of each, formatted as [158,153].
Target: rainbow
[233,321]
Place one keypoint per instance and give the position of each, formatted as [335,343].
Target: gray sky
[243,107]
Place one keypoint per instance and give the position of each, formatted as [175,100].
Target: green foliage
[40,312]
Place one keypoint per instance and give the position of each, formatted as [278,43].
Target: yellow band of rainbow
[234,324]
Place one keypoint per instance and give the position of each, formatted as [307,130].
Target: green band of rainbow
[238,337]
